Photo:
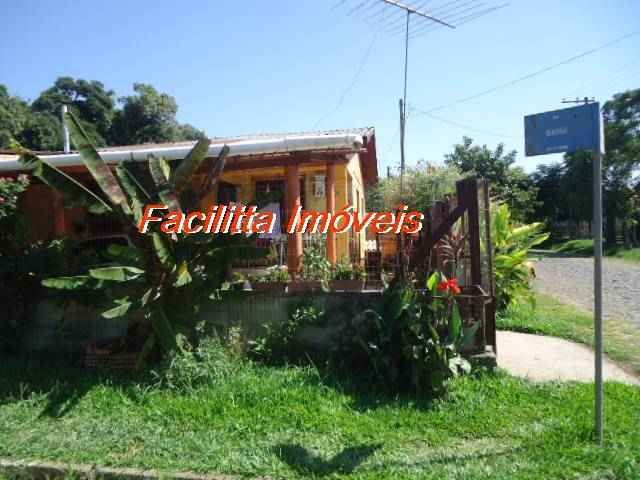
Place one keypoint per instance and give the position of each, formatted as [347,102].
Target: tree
[550,201]
[42,131]
[149,117]
[14,114]
[422,187]
[91,103]
[509,184]
[164,276]
[622,132]
[577,187]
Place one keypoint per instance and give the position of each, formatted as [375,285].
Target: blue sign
[566,130]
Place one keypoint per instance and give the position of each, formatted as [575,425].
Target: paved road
[571,281]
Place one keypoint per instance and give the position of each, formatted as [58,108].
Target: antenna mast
[403,103]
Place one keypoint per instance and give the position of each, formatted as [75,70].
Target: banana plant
[511,243]
[165,277]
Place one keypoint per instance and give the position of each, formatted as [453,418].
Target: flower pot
[347,285]
[305,286]
[269,287]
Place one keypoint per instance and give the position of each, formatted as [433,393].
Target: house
[321,171]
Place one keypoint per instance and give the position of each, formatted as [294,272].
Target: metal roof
[352,139]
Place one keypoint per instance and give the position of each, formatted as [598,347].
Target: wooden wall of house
[38,205]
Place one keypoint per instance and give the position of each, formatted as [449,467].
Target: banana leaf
[166,193]
[124,253]
[96,166]
[116,274]
[73,283]
[214,174]
[131,186]
[73,192]
[118,311]
[455,325]
[163,250]
[183,276]
[183,174]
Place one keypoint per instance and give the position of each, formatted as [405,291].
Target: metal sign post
[597,290]
[566,131]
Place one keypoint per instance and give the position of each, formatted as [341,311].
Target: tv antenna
[392,15]
[449,14]
[585,100]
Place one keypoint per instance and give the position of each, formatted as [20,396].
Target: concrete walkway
[542,358]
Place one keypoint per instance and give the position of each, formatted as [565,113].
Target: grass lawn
[584,248]
[291,422]
[551,317]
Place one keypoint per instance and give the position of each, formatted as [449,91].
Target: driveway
[570,280]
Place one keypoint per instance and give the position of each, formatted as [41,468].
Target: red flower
[449,286]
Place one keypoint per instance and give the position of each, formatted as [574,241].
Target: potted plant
[275,281]
[315,272]
[347,277]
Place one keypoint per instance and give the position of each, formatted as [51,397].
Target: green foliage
[23,266]
[412,341]
[165,277]
[297,423]
[315,266]
[10,190]
[90,102]
[147,116]
[276,344]
[347,271]
[207,365]
[621,117]
[509,184]
[272,275]
[422,187]
[16,262]
[14,114]
[565,189]
[584,248]
[511,245]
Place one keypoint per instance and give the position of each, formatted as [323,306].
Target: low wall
[251,311]
[69,329]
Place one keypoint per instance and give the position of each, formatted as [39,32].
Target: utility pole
[597,274]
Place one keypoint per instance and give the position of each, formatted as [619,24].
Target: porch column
[294,240]
[330,194]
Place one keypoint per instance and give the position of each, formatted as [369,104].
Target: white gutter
[269,145]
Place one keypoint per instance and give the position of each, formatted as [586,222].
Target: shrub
[274,274]
[512,243]
[347,271]
[276,345]
[210,363]
[315,266]
[411,342]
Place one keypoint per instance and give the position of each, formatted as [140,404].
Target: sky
[253,66]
